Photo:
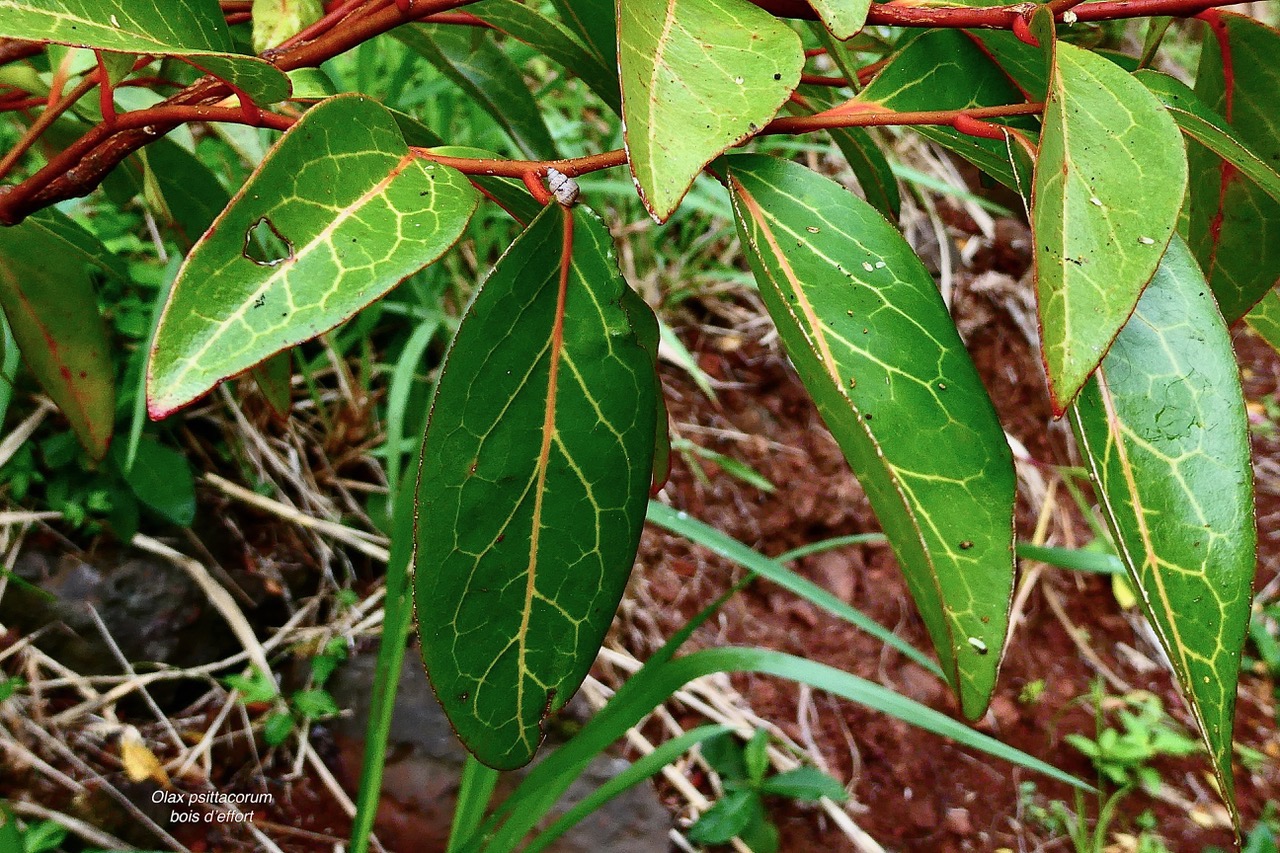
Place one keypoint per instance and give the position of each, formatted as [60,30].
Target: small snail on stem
[563,188]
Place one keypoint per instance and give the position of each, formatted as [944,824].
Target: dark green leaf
[510,194]
[872,340]
[806,784]
[192,194]
[1164,432]
[698,77]
[47,269]
[945,70]
[535,466]
[488,76]
[731,814]
[1234,226]
[1109,182]
[755,755]
[521,20]
[338,213]
[595,25]
[161,479]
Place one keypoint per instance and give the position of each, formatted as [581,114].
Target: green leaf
[48,265]
[946,70]
[274,378]
[1265,319]
[277,728]
[350,211]
[194,29]
[1234,224]
[869,164]
[315,704]
[192,193]
[482,69]
[534,472]
[698,77]
[731,815]
[596,29]
[161,479]
[718,543]
[1109,182]
[1164,432]
[510,194]
[521,20]
[755,755]
[844,18]
[865,326]
[1209,129]
[255,687]
[806,784]
[276,21]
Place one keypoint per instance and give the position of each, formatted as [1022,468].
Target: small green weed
[740,812]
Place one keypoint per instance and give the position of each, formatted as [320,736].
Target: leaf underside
[1164,432]
[1234,226]
[868,332]
[346,212]
[47,269]
[844,18]
[533,483]
[1109,183]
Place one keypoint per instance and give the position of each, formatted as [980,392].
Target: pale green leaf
[1164,432]
[869,334]
[276,21]
[1109,183]
[698,77]
[336,215]
[844,18]
[534,473]
[194,29]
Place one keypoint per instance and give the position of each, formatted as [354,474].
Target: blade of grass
[402,380]
[138,419]
[702,534]
[656,682]
[641,770]
[474,792]
[396,623]
[9,360]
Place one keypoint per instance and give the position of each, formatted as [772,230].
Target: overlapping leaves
[535,471]
[1109,183]
[1164,432]
[1234,221]
[870,336]
[338,213]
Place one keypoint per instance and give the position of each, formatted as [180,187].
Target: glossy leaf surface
[48,265]
[1109,182]
[844,18]
[698,77]
[535,470]
[1234,223]
[868,332]
[335,216]
[193,28]
[1164,433]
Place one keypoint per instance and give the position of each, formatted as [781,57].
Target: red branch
[1000,17]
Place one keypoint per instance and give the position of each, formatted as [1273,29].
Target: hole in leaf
[265,245]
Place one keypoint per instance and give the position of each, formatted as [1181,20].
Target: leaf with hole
[869,335]
[1163,430]
[194,29]
[48,267]
[1235,220]
[535,469]
[1109,182]
[698,77]
[336,215]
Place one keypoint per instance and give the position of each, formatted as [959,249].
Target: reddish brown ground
[918,791]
